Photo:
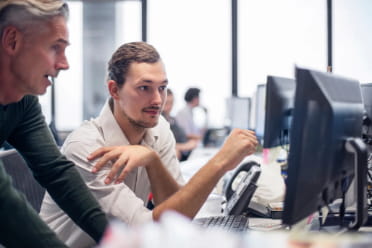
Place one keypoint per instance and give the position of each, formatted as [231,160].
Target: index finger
[98,153]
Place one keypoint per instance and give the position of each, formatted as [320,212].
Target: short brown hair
[125,55]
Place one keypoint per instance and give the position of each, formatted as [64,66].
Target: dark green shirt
[23,126]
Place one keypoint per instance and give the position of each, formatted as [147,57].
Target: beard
[139,124]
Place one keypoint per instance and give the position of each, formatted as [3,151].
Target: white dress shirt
[125,201]
[185,119]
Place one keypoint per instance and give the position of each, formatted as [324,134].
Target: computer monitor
[278,115]
[238,112]
[326,149]
[260,102]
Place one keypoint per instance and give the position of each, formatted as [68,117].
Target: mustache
[157,108]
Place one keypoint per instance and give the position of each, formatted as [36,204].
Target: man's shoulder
[183,112]
[83,140]
[88,132]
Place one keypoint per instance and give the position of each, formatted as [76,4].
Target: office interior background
[194,38]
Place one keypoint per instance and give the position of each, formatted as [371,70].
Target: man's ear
[11,39]
[113,89]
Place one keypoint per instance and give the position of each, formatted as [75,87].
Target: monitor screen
[238,112]
[260,110]
[327,119]
[278,112]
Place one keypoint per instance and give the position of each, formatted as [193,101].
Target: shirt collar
[114,136]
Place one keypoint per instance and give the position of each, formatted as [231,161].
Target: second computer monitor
[325,143]
[278,111]
[238,112]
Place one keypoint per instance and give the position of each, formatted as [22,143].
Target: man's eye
[162,88]
[56,47]
[143,88]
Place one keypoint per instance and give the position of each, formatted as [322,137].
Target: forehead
[147,71]
[54,30]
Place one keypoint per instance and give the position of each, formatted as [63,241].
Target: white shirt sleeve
[117,200]
[185,120]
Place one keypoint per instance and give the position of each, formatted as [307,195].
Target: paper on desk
[270,185]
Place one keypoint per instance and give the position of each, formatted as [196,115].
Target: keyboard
[235,223]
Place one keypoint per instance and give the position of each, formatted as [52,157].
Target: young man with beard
[133,138]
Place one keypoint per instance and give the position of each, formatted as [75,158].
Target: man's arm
[53,171]
[188,145]
[190,198]
[130,157]
[21,225]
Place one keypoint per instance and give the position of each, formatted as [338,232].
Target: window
[68,84]
[194,39]
[274,36]
[352,39]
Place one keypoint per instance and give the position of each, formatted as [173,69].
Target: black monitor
[278,115]
[326,148]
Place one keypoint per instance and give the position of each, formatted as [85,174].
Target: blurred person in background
[184,145]
[186,116]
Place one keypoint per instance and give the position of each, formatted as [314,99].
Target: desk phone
[237,200]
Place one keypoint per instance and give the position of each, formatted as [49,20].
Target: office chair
[22,177]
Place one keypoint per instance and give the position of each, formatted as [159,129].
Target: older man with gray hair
[33,40]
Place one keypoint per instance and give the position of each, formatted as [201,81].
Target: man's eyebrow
[150,81]
[63,41]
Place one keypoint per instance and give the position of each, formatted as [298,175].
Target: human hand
[191,144]
[124,158]
[239,144]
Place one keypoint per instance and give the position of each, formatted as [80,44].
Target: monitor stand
[352,221]
[357,147]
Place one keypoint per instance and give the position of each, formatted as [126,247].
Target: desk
[203,152]
[198,158]
[174,230]
[213,205]
[271,185]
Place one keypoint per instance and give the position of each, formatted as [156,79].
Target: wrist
[219,165]
[154,160]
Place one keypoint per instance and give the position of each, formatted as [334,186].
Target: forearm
[187,146]
[190,198]
[32,138]
[54,172]
[162,183]
[72,195]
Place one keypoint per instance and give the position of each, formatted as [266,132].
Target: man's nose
[62,63]
[157,97]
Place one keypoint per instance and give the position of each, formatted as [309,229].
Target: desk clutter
[174,230]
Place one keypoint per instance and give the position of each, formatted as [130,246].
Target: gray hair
[25,13]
